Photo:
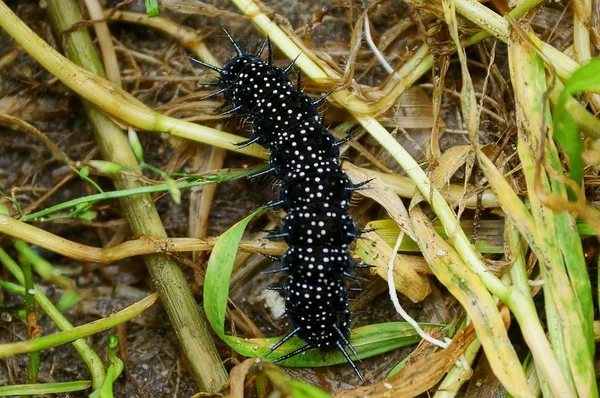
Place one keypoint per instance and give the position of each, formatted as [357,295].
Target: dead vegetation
[449,137]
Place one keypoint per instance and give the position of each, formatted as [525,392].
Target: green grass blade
[44,388]
[292,388]
[584,79]
[368,341]
[89,356]
[152,8]
[469,290]
[218,274]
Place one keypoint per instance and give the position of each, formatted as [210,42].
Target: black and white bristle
[314,191]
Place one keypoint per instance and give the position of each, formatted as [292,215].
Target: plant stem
[44,388]
[46,342]
[91,199]
[33,328]
[89,356]
[177,298]
[109,97]
[500,28]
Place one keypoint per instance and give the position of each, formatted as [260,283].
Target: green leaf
[218,274]
[113,372]
[136,145]
[68,300]
[368,340]
[173,190]
[566,132]
[152,8]
[105,166]
[292,388]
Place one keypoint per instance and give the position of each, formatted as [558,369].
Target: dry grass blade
[237,377]
[406,188]
[528,241]
[450,161]
[467,288]
[468,102]
[135,247]
[383,195]
[490,238]
[419,376]
[373,250]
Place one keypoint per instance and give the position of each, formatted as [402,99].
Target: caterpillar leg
[268,171]
[356,289]
[363,266]
[275,271]
[231,111]
[276,236]
[293,353]
[219,92]
[273,204]
[291,64]
[246,143]
[341,345]
[217,83]
[361,232]
[354,277]
[319,100]
[347,138]
[281,342]
[360,185]
[364,231]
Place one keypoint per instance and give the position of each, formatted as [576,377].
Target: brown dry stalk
[419,376]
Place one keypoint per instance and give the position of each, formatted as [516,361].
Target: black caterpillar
[313,190]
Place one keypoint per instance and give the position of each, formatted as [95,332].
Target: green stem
[28,257]
[44,388]
[32,324]
[107,96]
[12,287]
[85,177]
[521,303]
[91,359]
[54,340]
[189,324]
[499,27]
[91,199]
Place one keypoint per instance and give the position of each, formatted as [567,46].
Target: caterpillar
[313,190]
